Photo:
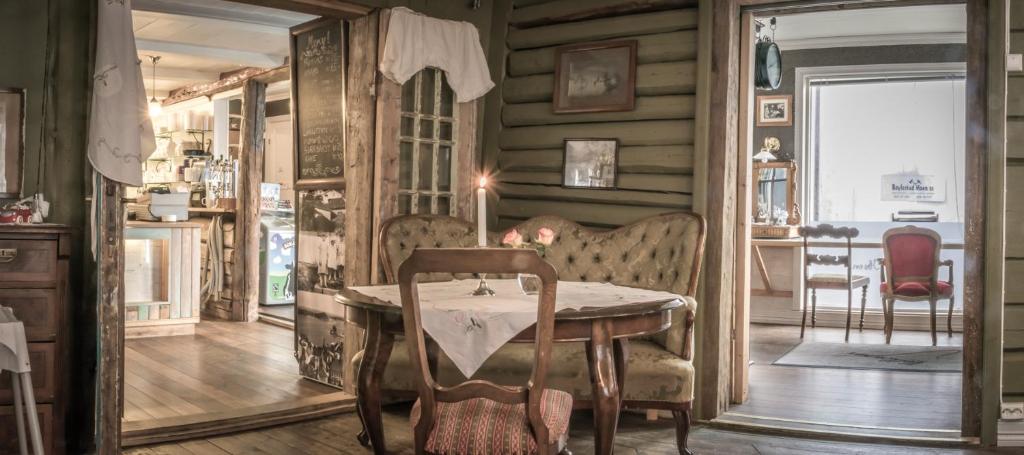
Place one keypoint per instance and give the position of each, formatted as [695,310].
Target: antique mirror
[775,193]
[12,140]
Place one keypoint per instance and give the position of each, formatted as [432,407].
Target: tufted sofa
[660,253]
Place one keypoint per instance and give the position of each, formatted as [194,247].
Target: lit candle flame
[483,182]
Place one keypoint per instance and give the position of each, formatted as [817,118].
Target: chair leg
[949,317]
[33,415]
[891,321]
[682,430]
[803,319]
[19,413]
[863,303]
[849,312]
[932,304]
[814,307]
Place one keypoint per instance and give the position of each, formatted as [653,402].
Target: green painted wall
[1013,319]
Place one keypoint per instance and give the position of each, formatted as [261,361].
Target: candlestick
[481,213]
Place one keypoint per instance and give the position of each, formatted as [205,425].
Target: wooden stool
[14,358]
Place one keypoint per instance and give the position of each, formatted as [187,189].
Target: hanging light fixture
[155,108]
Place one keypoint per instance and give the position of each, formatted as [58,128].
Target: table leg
[376,353]
[604,355]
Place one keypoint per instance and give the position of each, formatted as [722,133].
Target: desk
[606,332]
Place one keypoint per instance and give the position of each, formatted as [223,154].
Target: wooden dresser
[34,282]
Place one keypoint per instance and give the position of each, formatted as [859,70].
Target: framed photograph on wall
[595,77]
[590,163]
[775,110]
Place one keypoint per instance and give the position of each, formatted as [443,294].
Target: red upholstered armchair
[910,272]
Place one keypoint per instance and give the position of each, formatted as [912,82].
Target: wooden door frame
[728,234]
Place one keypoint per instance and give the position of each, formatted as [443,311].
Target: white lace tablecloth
[471,328]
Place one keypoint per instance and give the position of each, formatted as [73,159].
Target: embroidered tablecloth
[470,328]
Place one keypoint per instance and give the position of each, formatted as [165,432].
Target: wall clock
[767,65]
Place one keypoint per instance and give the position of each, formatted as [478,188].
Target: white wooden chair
[14,358]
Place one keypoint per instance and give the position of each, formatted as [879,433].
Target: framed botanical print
[590,163]
[775,110]
[595,77]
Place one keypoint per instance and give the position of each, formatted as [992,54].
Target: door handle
[8,254]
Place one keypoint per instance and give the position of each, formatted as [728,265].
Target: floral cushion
[919,289]
[482,426]
[653,374]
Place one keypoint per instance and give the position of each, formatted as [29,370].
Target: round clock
[767,65]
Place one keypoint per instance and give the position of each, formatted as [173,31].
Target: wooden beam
[247,58]
[672,78]
[235,80]
[246,275]
[741,322]
[603,29]
[225,11]
[359,150]
[657,48]
[647,108]
[330,8]
[651,132]
[110,290]
[653,159]
[574,10]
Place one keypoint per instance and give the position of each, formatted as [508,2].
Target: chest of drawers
[34,261]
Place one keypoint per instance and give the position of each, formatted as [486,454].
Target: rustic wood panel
[653,159]
[1014,281]
[359,140]
[659,48]
[647,108]
[553,193]
[1015,137]
[246,285]
[643,182]
[573,10]
[1013,370]
[599,214]
[653,132]
[1014,213]
[1013,319]
[675,78]
[602,29]
[1015,96]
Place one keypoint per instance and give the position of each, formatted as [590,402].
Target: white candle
[481,212]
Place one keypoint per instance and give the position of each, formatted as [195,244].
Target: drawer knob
[8,254]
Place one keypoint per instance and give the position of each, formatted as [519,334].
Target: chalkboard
[318,94]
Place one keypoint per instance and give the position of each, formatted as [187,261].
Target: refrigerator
[277,260]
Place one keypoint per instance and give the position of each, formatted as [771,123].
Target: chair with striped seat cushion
[479,425]
[481,417]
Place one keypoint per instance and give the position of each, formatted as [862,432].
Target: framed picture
[590,163]
[12,141]
[595,77]
[775,110]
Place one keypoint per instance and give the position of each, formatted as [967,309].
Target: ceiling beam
[330,8]
[213,22]
[178,74]
[241,57]
[223,10]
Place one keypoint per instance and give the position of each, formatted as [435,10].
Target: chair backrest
[828,231]
[661,253]
[911,254]
[478,260]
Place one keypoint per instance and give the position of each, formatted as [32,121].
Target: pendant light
[155,108]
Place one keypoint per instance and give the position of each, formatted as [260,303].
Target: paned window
[426,143]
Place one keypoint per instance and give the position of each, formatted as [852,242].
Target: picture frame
[595,77]
[774,110]
[591,163]
[13,107]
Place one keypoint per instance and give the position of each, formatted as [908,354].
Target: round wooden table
[606,332]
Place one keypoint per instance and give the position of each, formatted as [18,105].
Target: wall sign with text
[913,188]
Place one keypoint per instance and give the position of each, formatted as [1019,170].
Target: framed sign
[595,77]
[913,188]
[318,100]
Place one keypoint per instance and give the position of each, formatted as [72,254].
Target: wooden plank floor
[224,366]
[336,435]
[849,397]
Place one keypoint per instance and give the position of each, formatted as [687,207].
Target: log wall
[1013,318]
[656,138]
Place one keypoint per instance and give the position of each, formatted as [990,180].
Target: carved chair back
[478,260]
[911,254]
[828,231]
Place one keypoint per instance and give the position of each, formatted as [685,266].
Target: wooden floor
[891,399]
[284,312]
[224,366]
[336,435]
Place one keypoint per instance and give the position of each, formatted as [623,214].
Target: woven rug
[944,359]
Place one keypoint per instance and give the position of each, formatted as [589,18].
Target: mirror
[12,140]
[775,193]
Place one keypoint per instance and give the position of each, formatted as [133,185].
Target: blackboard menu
[318,89]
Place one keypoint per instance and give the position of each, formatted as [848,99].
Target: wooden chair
[910,272]
[847,281]
[536,420]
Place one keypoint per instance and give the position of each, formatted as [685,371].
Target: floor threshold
[942,438]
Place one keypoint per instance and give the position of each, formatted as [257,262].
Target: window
[882,145]
[426,141]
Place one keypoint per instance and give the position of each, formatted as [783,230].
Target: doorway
[750,281]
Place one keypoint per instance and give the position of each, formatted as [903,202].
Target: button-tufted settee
[660,253]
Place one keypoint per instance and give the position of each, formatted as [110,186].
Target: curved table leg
[376,353]
[604,355]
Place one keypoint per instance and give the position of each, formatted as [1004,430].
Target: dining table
[602,315]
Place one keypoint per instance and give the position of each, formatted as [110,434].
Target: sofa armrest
[690,309]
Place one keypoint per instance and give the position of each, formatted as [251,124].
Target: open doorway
[866,133]
[210,337]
